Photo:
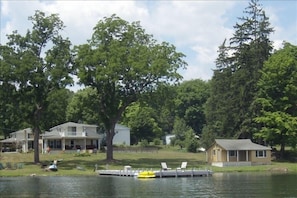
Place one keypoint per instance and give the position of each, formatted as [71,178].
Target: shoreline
[86,165]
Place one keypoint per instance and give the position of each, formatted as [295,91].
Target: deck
[158,173]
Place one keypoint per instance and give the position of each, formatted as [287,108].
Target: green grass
[138,160]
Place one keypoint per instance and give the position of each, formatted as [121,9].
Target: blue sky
[196,28]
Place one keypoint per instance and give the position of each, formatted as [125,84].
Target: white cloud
[284,22]
[196,28]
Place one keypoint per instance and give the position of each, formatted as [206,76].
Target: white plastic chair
[164,166]
[183,166]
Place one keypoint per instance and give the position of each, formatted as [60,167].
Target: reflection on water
[219,185]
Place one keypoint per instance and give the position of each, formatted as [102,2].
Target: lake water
[219,185]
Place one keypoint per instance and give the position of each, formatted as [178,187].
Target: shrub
[157,141]
[144,143]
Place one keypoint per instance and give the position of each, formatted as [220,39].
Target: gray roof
[9,140]
[51,135]
[73,124]
[240,144]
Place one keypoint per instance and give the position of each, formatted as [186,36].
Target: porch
[224,164]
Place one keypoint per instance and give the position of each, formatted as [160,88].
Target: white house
[73,136]
[122,135]
[22,140]
[66,136]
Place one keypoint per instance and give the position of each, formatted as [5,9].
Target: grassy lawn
[138,160]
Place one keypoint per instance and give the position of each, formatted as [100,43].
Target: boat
[146,174]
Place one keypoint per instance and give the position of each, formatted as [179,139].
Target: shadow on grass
[156,163]
[141,163]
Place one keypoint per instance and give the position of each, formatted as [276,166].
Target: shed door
[219,155]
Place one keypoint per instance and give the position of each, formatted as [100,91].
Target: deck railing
[73,134]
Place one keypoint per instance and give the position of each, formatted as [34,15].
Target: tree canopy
[234,83]
[34,66]
[190,99]
[277,98]
[123,63]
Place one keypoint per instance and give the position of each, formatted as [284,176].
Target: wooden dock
[159,173]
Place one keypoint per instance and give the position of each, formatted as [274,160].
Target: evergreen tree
[229,110]
[251,46]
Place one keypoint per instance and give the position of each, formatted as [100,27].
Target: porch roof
[9,140]
[240,144]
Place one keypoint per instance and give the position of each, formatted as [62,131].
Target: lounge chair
[164,166]
[183,166]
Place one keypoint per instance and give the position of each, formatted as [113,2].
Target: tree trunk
[36,144]
[282,145]
[109,142]
[36,130]
[282,150]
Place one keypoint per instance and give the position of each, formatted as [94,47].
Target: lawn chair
[164,166]
[183,166]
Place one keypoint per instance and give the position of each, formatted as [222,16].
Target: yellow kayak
[146,174]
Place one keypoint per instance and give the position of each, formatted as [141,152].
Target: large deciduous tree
[277,98]
[122,63]
[9,114]
[142,121]
[40,62]
[190,100]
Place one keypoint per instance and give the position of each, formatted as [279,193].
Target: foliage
[9,112]
[207,138]
[39,63]
[184,136]
[55,113]
[229,110]
[277,98]
[191,141]
[123,64]
[157,142]
[83,107]
[142,123]
[190,99]
[144,143]
[162,101]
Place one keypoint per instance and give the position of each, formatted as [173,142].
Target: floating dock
[158,174]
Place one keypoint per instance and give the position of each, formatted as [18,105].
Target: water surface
[219,185]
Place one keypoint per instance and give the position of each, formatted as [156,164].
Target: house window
[214,152]
[232,153]
[71,130]
[260,154]
[54,144]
